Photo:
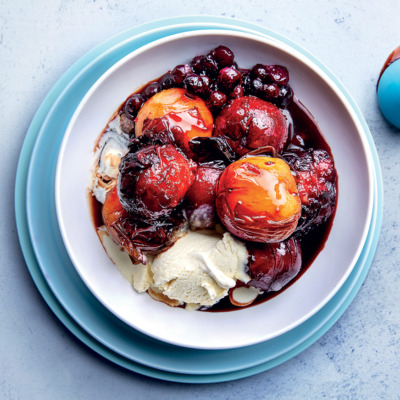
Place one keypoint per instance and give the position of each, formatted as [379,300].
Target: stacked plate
[69,297]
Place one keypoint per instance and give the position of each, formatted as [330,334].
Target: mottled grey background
[39,359]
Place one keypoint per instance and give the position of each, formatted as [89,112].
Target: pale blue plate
[61,286]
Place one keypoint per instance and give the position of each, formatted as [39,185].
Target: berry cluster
[315,176]
[216,78]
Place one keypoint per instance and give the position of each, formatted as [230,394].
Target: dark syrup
[300,121]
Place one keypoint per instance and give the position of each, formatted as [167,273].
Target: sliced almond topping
[243,296]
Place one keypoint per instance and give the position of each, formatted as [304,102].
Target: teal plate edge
[27,245]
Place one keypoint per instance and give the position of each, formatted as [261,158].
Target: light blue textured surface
[357,358]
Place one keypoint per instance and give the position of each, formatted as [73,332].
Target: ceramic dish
[302,299]
[61,287]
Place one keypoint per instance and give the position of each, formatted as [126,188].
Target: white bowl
[247,326]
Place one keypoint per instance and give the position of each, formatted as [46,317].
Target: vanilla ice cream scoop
[200,268]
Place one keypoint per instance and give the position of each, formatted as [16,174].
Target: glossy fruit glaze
[257,199]
[212,143]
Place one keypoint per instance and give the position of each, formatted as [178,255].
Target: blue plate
[57,279]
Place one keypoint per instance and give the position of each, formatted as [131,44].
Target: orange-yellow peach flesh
[262,186]
[176,101]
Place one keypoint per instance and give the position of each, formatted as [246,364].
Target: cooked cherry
[198,85]
[278,74]
[167,81]
[285,96]
[270,91]
[260,72]
[298,140]
[273,265]
[257,199]
[153,181]
[179,73]
[216,100]
[238,91]
[204,65]
[197,64]
[249,123]
[132,105]
[210,66]
[151,89]
[223,56]
[228,78]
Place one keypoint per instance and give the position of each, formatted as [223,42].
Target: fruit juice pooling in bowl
[215,182]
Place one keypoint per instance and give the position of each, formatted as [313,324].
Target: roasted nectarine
[187,116]
[257,199]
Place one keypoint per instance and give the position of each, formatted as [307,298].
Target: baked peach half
[185,115]
[257,199]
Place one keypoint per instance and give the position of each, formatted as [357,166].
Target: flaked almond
[159,296]
[242,296]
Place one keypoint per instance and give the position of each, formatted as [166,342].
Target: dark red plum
[154,180]
[136,236]
[200,197]
[250,123]
[273,265]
